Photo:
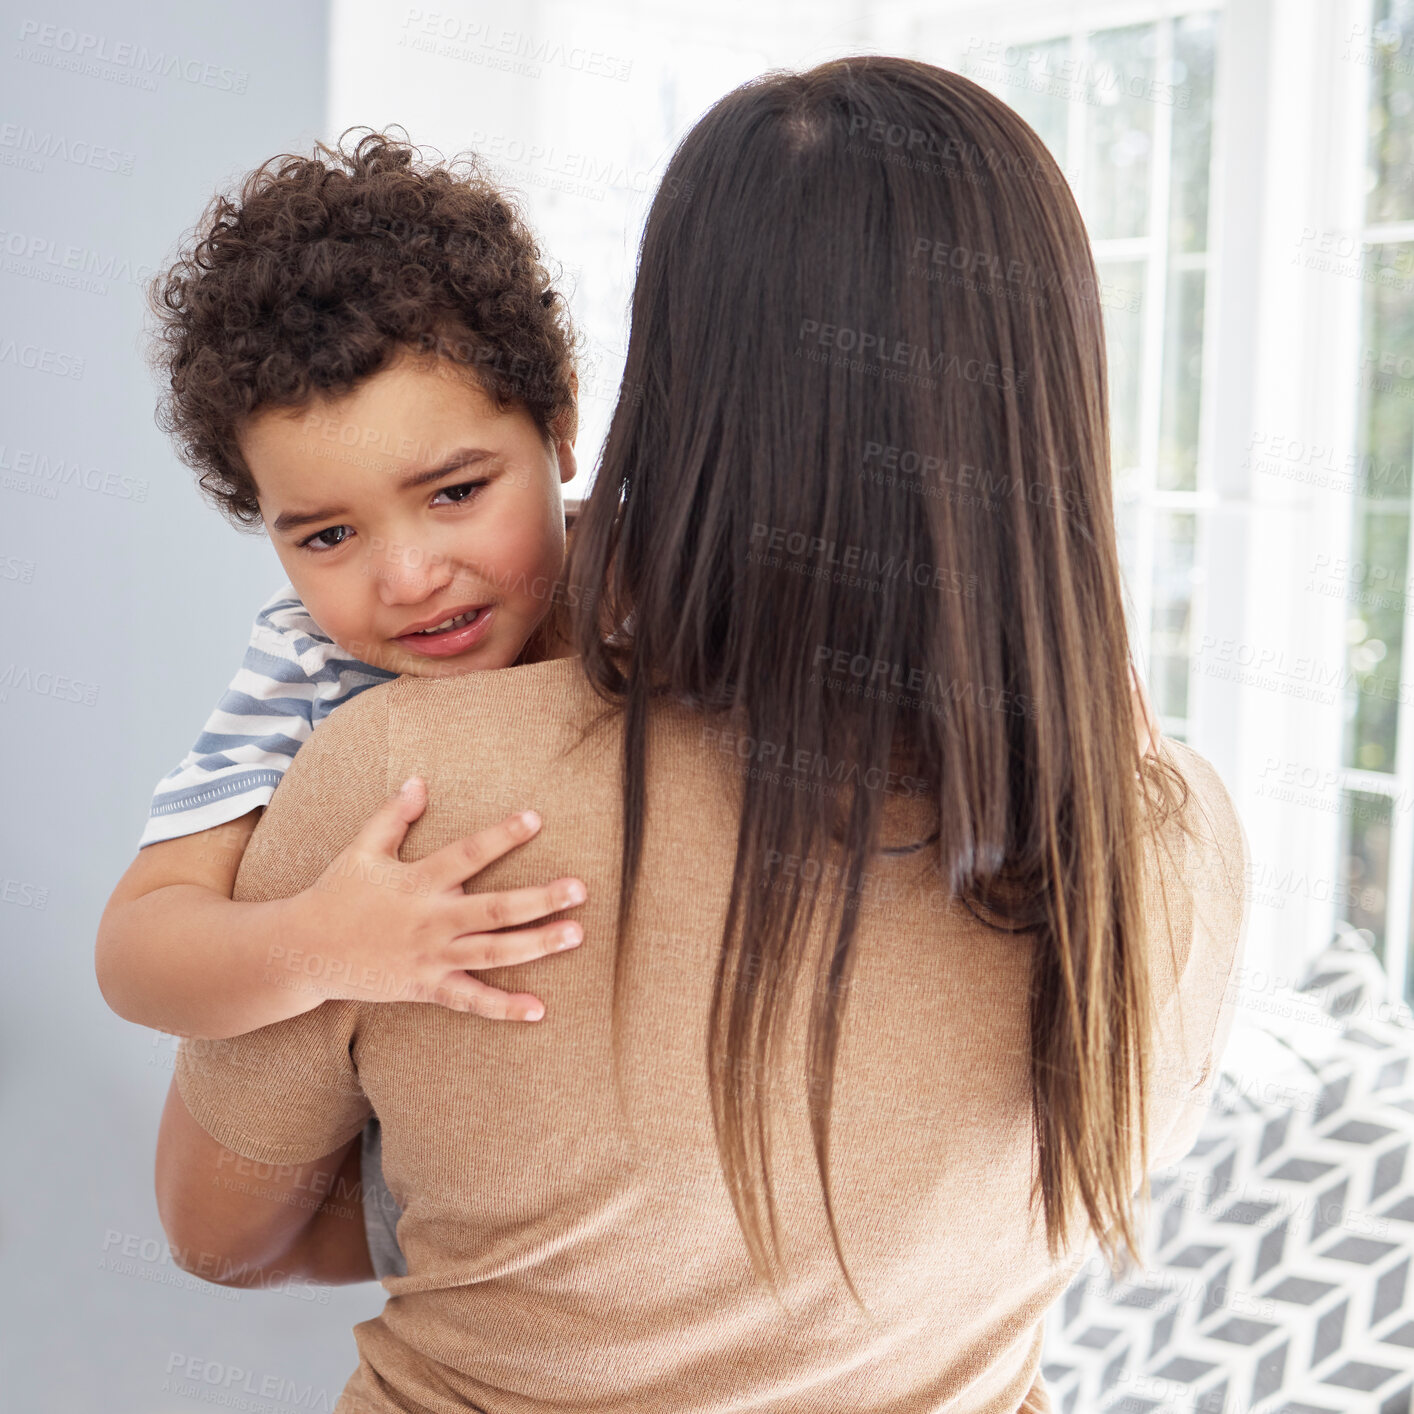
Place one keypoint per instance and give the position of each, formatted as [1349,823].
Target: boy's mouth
[449,636]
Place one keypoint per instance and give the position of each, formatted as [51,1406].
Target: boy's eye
[463,491]
[317,541]
[337,534]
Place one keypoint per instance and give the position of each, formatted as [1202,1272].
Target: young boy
[364,357]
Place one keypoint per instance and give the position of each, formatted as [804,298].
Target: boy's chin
[451,667]
[478,660]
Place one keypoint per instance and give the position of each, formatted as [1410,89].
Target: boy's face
[427,503]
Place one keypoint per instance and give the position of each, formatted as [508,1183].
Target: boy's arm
[176,954]
[287,1095]
[174,951]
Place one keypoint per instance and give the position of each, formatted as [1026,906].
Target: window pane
[1409,971]
[1375,624]
[1387,372]
[1390,54]
[1122,303]
[1364,883]
[1127,537]
[1175,534]
[1119,118]
[1182,381]
[1374,634]
[1195,40]
[1032,79]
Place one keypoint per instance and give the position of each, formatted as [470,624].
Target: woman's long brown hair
[866,333]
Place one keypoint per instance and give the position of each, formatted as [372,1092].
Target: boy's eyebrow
[463,456]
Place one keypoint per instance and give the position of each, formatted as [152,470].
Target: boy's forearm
[187,960]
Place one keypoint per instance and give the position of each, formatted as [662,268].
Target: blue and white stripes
[292,676]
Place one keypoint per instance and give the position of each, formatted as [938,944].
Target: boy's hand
[373,928]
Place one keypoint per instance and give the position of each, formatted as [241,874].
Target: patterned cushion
[1280,1247]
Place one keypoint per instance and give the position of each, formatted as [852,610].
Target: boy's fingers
[462,859]
[461,992]
[478,951]
[481,913]
[385,830]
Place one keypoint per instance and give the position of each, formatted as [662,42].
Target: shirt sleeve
[291,677]
[290,1093]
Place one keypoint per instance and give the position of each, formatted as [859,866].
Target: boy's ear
[565,427]
[569,419]
[564,451]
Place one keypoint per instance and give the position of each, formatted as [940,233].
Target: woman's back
[560,1257]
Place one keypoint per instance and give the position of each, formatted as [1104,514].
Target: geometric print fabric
[1281,1247]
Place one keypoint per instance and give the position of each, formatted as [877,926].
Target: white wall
[127,583]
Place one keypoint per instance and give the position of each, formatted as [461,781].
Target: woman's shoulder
[548,674]
[1208,855]
[1208,808]
[526,698]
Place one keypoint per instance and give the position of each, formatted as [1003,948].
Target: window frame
[1288,157]
[1398,784]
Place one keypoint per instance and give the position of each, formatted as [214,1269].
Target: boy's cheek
[526,546]
[331,612]
[524,578]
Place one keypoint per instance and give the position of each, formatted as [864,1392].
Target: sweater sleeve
[290,1093]
[1209,987]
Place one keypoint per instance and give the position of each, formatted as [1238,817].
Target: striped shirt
[292,676]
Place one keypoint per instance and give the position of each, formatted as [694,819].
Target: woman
[853,790]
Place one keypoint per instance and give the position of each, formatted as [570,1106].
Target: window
[1220,157]
[1377,747]
[1127,112]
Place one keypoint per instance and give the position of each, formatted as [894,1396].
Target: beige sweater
[559,1259]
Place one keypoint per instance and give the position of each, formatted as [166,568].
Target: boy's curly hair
[323,269]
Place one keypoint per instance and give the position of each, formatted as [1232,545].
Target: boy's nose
[408,574]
